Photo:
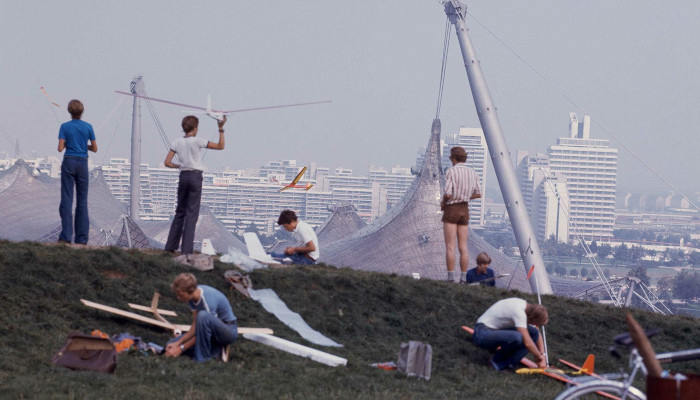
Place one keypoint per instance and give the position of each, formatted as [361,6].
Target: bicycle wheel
[596,389]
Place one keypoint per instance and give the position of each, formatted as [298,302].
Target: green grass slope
[371,314]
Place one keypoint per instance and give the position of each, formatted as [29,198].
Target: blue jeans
[74,173]
[211,335]
[512,349]
[297,258]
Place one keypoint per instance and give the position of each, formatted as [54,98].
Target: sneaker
[461,282]
[224,353]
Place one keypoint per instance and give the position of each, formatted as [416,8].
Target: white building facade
[590,168]
[546,196]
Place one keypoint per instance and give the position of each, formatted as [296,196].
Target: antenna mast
[137,88]
[500,156]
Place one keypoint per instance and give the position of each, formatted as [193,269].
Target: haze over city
[632,66]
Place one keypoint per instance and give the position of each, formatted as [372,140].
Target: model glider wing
[163,101]
[299,175]
[280,106]
[167,325]
[489,279]
[221,111]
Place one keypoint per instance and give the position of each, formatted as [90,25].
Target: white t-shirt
[189,151]
[305,233]
[506,313]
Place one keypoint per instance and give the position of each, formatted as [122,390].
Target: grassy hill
[371,314]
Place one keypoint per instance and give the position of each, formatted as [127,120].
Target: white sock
[450,275]
[464,277]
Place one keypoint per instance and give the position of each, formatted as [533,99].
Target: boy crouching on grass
[213,322]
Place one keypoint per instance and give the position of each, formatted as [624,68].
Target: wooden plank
[182,328]
[154,310]
[297,349]
[255,331]
[148,309]
[128,314]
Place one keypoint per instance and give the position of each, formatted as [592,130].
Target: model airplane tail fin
[208,104]
[309,186]
[589,364]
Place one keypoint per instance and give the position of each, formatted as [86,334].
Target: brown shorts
[457,213]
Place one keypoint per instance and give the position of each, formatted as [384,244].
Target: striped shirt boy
[460,183]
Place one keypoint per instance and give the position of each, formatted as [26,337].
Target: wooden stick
[183,328]
[148,309]
[154,310]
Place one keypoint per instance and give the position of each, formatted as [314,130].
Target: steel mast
[137,88]
[500,156]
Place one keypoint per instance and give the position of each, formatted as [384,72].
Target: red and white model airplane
[219,114]
[294,182]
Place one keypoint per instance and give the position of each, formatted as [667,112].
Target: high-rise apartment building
[590,168]
[546,196]
[244,197]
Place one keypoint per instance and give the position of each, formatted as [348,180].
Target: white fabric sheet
[273,304]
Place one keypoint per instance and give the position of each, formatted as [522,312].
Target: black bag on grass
[85,352]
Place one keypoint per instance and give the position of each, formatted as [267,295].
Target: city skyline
[593,58]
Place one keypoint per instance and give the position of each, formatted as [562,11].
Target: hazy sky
[634,66]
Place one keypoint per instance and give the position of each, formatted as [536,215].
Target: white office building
[546,196]
[590,167]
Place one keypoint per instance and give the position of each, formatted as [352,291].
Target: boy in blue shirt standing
[73,137]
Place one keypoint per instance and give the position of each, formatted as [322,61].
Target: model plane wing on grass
[219,114]
[296,180]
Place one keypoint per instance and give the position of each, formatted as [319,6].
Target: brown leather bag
[85,352]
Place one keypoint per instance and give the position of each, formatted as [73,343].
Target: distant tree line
[685,286]
[620,254]
[651,236]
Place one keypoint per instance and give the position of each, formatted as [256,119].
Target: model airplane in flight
[294,185]
[219,114]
